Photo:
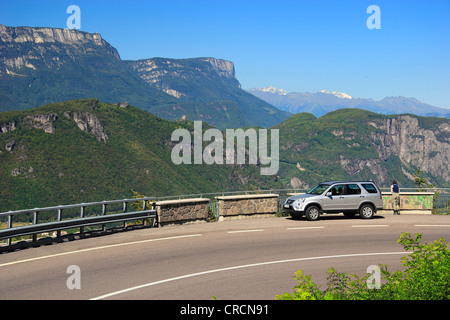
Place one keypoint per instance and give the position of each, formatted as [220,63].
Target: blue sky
[293,45]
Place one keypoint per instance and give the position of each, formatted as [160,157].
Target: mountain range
[45,65]
[320,103]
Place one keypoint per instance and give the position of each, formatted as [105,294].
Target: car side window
[337,190]
[352,189]
[370,188]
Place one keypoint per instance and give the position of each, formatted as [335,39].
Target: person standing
[395,189]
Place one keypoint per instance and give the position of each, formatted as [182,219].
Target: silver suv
[349,197]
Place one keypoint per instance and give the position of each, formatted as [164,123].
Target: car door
[352,196]
[336,201]
[372,194]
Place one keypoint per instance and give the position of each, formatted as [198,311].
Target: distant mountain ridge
[206,89]
[320,103]
[44,65]
[163,73]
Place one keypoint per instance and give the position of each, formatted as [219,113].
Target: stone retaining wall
[182,210]
[240,206]
[259,205]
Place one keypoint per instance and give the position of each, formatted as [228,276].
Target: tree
[421,182]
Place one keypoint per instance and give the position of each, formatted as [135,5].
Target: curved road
[238,259]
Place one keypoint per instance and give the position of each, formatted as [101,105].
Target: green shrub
[426,277]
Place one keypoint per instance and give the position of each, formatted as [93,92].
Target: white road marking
[97,248]
[370,226]
[115,293]
[304,228]
[240,231]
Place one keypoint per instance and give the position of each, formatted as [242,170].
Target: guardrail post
[157,215]
[35,219]
[58,218]
[10,218]
[82,212]
[125,209]
[104,214]
[144,207]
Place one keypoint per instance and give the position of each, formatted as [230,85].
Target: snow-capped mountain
[271,89]
[338,94]
[320,103]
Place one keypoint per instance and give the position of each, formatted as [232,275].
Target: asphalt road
[238,259]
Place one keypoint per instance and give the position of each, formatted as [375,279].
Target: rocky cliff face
[44,65]
[85,121]
[425,148]
[224,68]
[88,122]
[48,35]
[35,45]
[165,74]
[45,122]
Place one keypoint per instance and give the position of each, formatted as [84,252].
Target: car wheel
[366,211]
[312,213]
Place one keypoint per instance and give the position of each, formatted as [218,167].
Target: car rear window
[370,187]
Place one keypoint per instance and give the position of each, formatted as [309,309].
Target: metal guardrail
[82,221]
